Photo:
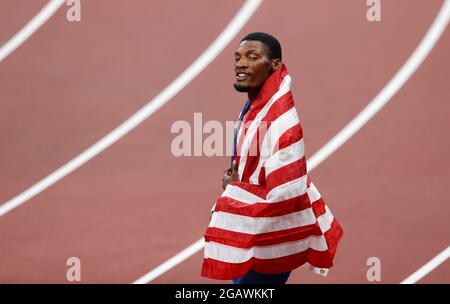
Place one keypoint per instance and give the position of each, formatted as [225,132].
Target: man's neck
[252,95]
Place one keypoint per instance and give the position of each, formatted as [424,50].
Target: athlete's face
[253,66]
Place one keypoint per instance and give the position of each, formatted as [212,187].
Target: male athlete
[270,219]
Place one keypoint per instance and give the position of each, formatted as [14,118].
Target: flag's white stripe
[313,193]
[235,255]
[239,194]
[283,192]
[288,190]
[285,87]
[258,225]
[285,157]
[242,127]
[277,128]
[325,220]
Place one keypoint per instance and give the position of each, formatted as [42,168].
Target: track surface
[136,205]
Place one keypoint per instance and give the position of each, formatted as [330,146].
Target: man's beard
[241,88]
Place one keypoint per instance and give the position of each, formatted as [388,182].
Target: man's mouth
[240,76]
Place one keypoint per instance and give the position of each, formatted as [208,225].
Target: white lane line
[385,95]
[172,262]
[428,267]
[32,26]
[415,60]
[231,30]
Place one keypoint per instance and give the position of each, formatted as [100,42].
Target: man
[270,219]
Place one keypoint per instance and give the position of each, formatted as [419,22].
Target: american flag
[273,220]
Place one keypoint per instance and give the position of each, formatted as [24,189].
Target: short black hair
[268,40]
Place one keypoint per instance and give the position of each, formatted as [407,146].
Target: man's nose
[241,63]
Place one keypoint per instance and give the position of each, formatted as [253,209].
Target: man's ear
[276,64]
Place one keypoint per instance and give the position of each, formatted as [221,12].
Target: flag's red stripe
[289,137]
[245,240]
[286,174]
[262,209]
[333,236]
[226,271]
[254,189]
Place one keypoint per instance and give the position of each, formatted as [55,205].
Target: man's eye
[236,59]
[253,57]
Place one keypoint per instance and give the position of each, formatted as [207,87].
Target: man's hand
[230,175]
